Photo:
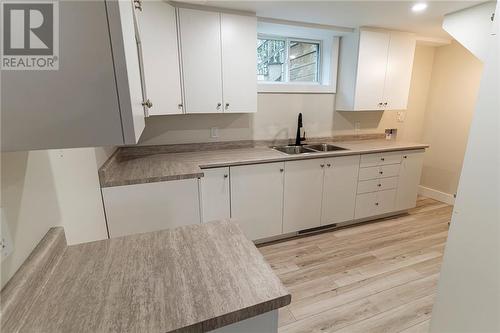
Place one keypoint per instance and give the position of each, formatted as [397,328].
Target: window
[288,60]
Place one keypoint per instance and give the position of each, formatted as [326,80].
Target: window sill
[295,88]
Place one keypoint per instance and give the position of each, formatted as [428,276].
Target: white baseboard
[436,195]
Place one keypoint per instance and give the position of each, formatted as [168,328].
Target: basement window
[296,58]
[288,60]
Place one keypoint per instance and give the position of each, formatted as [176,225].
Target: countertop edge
[284,158]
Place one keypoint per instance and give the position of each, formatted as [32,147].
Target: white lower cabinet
[257,199]
[133,209]
[339,189]
[215,196]
[303,194]
[409,179]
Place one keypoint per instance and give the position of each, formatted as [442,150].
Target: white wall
[42,189]
[468,298]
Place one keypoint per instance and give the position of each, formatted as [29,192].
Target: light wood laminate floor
[375,277]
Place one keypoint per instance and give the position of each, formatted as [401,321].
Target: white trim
[436,195]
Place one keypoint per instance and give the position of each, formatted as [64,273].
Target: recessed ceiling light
[419,7]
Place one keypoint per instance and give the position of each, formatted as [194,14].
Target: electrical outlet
[357,126]
[401,116]
[6,247]
[214,132]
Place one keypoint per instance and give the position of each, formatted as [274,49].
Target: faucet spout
[298,138]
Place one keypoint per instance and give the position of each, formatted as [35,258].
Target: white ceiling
[395,15]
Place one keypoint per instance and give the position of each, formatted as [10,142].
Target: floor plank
[373,277]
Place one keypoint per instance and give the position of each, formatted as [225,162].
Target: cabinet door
[385,202]
[409,179]
[303,194]
[257,199]
[399,70]
[339,189]
[149,207]
[215,194]
[239,64]
[126,39]
[372,65]
[161,57]
[366,205]
[201,60]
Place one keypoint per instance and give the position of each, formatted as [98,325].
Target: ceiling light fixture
[419,7]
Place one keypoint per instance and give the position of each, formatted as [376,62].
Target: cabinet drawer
[382,171]
[374,185]
[370,160]
[374,203]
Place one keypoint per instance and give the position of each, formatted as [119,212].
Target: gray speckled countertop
[189,279]
[151,167]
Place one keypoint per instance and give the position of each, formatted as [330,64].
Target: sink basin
[294,150]
[324,147]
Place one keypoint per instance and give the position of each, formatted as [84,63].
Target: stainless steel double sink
[307,149]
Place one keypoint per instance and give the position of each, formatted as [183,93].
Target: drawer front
[389,170]
[369,173]
[370,160]
[374,203]
[374,185]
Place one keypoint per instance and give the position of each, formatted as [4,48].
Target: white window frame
[327,68]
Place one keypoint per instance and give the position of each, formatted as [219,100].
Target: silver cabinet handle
[147,103]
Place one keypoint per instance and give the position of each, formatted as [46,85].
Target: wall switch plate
[6,246]
[214,132]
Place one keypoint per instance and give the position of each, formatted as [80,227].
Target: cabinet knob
[381,172]
[138,5]
[405,156]
[227,106]
[219,105]
[281,169]
[379,185]
[380,104]
[180,105]
[382,159]
[328,165]
[376,203]
[385,104]
[147,103]
[322,165]
[225,176]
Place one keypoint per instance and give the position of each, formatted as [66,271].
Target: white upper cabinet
[158,30]
[372,63]
[200,37]
[77,105]
[239,63]
[218,57]
[375,70]
[399,70]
